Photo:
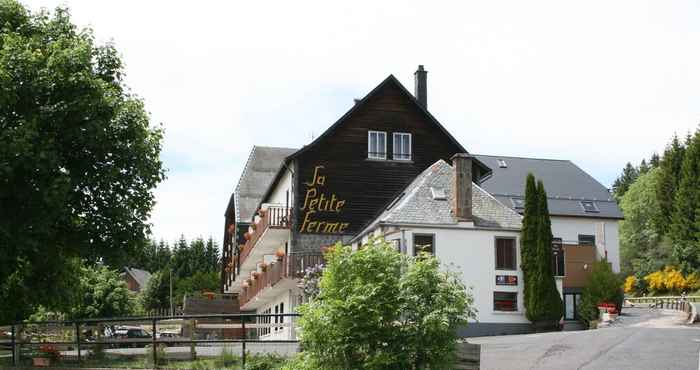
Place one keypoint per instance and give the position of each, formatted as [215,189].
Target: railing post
[77,340]
[155,350]
[243,344]
[14,359]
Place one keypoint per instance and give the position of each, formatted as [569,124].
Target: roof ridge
[273,147]
[518,157]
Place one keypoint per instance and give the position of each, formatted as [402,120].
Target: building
[290,203]
[136,280]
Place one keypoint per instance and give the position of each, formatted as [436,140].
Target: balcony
[269,234]
[279,276]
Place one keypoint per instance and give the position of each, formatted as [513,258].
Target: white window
[376,145]
[402,146]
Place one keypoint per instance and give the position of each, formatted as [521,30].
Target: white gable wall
[569,228]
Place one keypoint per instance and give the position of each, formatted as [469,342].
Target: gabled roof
[258,173]
[485,170]
[417,205]
[566,184]
[141,276]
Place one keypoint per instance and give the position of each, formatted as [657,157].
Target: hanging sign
[506,280]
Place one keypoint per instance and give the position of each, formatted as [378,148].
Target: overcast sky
[598,82]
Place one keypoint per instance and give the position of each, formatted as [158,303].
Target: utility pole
[172,312]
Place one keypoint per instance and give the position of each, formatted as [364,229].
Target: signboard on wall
[506,280]
[321,209]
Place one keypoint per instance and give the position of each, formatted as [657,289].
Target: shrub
[671,280]
[603,286]
[630,285]
[379,309]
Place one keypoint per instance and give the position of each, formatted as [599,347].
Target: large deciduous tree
[78,158]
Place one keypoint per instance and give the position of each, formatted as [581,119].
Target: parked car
[131,336]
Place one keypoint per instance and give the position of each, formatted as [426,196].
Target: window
[376,145]
[423,243]
[402,146]
[438,193]
[505,254]
[518,203]
[505,301]
[502,164]
[396,243]
[586,239]
[589,206]
[557,257]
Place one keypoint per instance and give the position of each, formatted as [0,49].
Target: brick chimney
[421,87]
[462,186]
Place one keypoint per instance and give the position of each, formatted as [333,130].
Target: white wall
[569,228]
[284,332]
[473,253]
[279,193]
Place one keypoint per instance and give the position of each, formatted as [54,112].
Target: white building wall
[473,252]
[569,228]
[279,194]
[285,331]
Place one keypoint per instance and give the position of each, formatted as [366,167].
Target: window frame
[586,236]
[515,204]
[399,135]
[376,155]
[559,258]
[515,294]
[592,203]
[413,243]
[515,253]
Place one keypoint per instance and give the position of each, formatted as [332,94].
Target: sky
[601,83]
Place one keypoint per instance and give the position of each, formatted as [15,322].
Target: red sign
[506,280]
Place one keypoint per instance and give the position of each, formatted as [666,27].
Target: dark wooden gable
[353,189]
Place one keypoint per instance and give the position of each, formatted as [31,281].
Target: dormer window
[376,145]
[402,146]
[589,206]
[502,164]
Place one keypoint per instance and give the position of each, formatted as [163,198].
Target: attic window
[502,164]
[589,206]
[438,193]
[518,203]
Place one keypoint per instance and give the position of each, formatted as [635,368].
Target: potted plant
[48,354]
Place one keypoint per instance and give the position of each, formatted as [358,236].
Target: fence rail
[679,303]
[238,322]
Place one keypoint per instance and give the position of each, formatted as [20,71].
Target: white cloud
[597,82]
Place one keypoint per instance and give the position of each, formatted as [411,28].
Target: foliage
[310,283]
[78,160]
[630,285]
[199,282]
[685,225]
[667,184]
[102,293]
[602,286]
[379,309]
[622,183]
[543,302]
[49,351]
[263,362]
[528,236]
[671,280]
[156,296]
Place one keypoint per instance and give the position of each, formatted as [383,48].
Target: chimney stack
[462,186]
[421,88]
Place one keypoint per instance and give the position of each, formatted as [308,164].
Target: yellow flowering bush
[655,281]
[674,280]
[671,280]
[630,285]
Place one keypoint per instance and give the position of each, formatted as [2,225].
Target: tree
[669,178]
[655,160]
[201,281]
[544,303]
[603,286]
[528,236]
[102,294]
[685,225]
[642,248]
[182,259]
[622,183]
[211,256]
[379,309]
[157,293]
[643,168]
[78,160]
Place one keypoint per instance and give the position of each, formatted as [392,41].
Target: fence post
[77,339]
[155,350]
[243,345]
[14,359]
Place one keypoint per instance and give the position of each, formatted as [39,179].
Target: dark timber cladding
[338,189]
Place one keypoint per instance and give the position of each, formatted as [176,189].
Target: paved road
[640,339]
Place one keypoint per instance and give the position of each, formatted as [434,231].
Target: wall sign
[506,280]
[318,204]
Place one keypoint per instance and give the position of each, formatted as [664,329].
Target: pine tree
[654,161]
[528,237]
[211,251]
[669,178]
[622,183]
[685,226]
[544,301]
[643,168]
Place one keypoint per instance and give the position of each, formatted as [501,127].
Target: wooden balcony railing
[291,267]
[273,217]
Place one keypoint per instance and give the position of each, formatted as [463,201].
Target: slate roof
[258,173]
[141,276]
[416,204]
[566,185]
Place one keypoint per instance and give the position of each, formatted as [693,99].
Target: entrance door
[571,301]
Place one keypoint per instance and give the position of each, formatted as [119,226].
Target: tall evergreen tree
[544,301]
[643,168]
[622,183]
[528,237]
[654,161]
[211,253]
[685,226]
[667,184]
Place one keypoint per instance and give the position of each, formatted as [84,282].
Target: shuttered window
[505,301]
[505,254]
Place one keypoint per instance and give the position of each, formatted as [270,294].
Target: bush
[380,309]
[671,280]
[264,362]
[603,286]
[630,285]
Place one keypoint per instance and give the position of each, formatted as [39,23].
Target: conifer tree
[528,238]
[622,183]
[654,161]
[669,178]
[685,225]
